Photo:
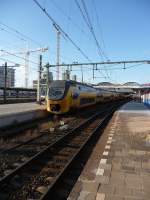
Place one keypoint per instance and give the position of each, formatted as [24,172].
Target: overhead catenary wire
[21,34]
[122,68]
[82,13]
[69,18]
[99,24]
[92,31]
[87,15]
[12,54]
[132,66]
[16,63]
[9,45]
[7,60]
[90,26]
[3,29]
[61,30]
[87,20]
[22,65]
[100,31]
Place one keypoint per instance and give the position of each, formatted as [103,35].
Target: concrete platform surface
[15,113]
[119,166]
[7,109]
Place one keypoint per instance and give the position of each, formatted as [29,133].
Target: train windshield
[57,90]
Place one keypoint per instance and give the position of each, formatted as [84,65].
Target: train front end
[58,98]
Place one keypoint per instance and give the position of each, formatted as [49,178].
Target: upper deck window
[57,90]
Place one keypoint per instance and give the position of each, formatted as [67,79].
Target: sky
[121,28]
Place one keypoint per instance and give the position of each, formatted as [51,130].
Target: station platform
[119,166]
[20,112]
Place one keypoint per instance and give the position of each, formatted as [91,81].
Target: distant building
[10,77]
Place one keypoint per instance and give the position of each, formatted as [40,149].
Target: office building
[10,77]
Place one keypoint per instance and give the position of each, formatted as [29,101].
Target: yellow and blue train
[66,95]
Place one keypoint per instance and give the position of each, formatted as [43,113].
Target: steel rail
[23,143]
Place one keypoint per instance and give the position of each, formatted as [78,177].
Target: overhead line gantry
[103,63]
[95,64]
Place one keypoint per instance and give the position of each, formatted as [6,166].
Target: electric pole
[82,73]
[39,80]
[58,53]
[47,77]
[5,81]
[58,49]
[26,68]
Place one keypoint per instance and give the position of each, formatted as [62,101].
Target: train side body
[64,96]
[74,95]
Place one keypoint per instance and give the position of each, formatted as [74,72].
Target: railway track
[15,156]
[17,148]
[42,175]
[21,150]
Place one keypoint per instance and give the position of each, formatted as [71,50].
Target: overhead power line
[61,30]
[92,29]
[90,26]
[69,18]
[99,24]
[17,63]
[20,57]
[82,13]
[87,14]
[4,59]
[124,67]
[3,29]
[88,22]
[12,54]
[21,34]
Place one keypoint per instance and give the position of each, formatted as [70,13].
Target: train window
[57,90]
[56,93]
